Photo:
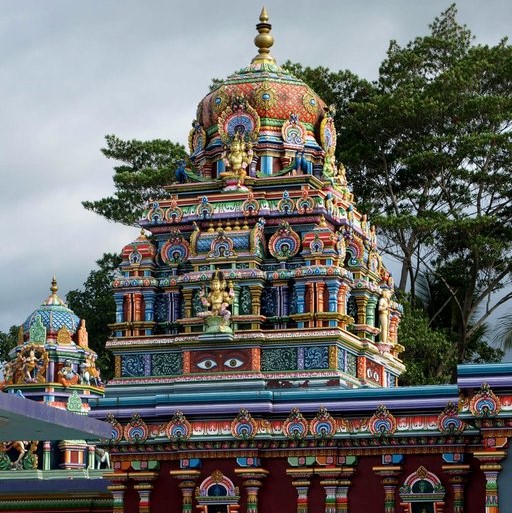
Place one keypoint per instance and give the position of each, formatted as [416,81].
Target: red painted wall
[279,495]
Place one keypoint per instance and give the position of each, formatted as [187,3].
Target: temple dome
[259,102]
[271,91]
[54,314]
[139,252]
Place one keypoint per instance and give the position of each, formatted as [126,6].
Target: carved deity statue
[238,159]
[67,375]
[217,301]
[384,309]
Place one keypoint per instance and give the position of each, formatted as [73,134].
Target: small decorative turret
[264,40]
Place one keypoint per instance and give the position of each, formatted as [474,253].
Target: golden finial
[54,288]
[263,40]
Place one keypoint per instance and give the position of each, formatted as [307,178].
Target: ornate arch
[217,491]
[422,492]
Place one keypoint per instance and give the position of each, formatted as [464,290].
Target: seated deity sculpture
[238,159]
[219,298]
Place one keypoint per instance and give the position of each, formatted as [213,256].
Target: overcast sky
[73,71]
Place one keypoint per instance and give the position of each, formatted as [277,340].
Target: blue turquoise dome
[54,313]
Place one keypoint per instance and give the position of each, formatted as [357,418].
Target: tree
[428,357]
[428,150]
[95,303]
[146,166]
[8,341]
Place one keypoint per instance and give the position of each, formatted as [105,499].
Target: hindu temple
[255,340]
[257,358]
[50,380]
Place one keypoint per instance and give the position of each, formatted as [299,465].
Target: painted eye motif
[206,364]
[233,363]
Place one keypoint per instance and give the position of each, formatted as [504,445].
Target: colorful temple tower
[255,342]
[54,365]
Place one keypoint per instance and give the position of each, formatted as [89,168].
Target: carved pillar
[149,300]
[256,299]
[47,447]
[343,488]
[187,298]
[320,297]
[252,484]
[370,310]
[361,302]
[128,307]
[394,321]
[91,460]
[330,486]
[118,298]
[333,290]
[457,477]
[187,486]
[342,298]
[491,467]
[235,306]
[302,482]
[117,489]
[310,297]
[143,485]
[300,291]
[285,311]
[389,480]
[137,307]
[144,490]
[329,480]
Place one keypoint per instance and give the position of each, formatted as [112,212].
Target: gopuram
[255,342]
[257,359]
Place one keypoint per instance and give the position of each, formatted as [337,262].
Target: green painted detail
[145,465]
[74,403]
[37,331]
[351,364]
[350,460]
[5,462]
[56,504]
[245,301]
[296,461]
[167,364]
[279,359]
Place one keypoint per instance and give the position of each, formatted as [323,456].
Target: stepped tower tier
[258,266]
[277,115]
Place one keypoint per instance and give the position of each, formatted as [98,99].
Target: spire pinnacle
[54,287]
[263,40]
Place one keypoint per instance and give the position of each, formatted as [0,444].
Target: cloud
[72,72]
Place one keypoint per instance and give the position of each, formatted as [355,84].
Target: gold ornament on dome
[310,102]
[422,472]
[265,96]
[217,476]
[238,160]
[328,135]
[220,100]
[234,119]
[63,337]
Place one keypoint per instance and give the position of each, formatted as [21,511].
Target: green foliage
[8,341]
[503,336]
[95,303]
[429,355]
[146,167]
[428,148]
